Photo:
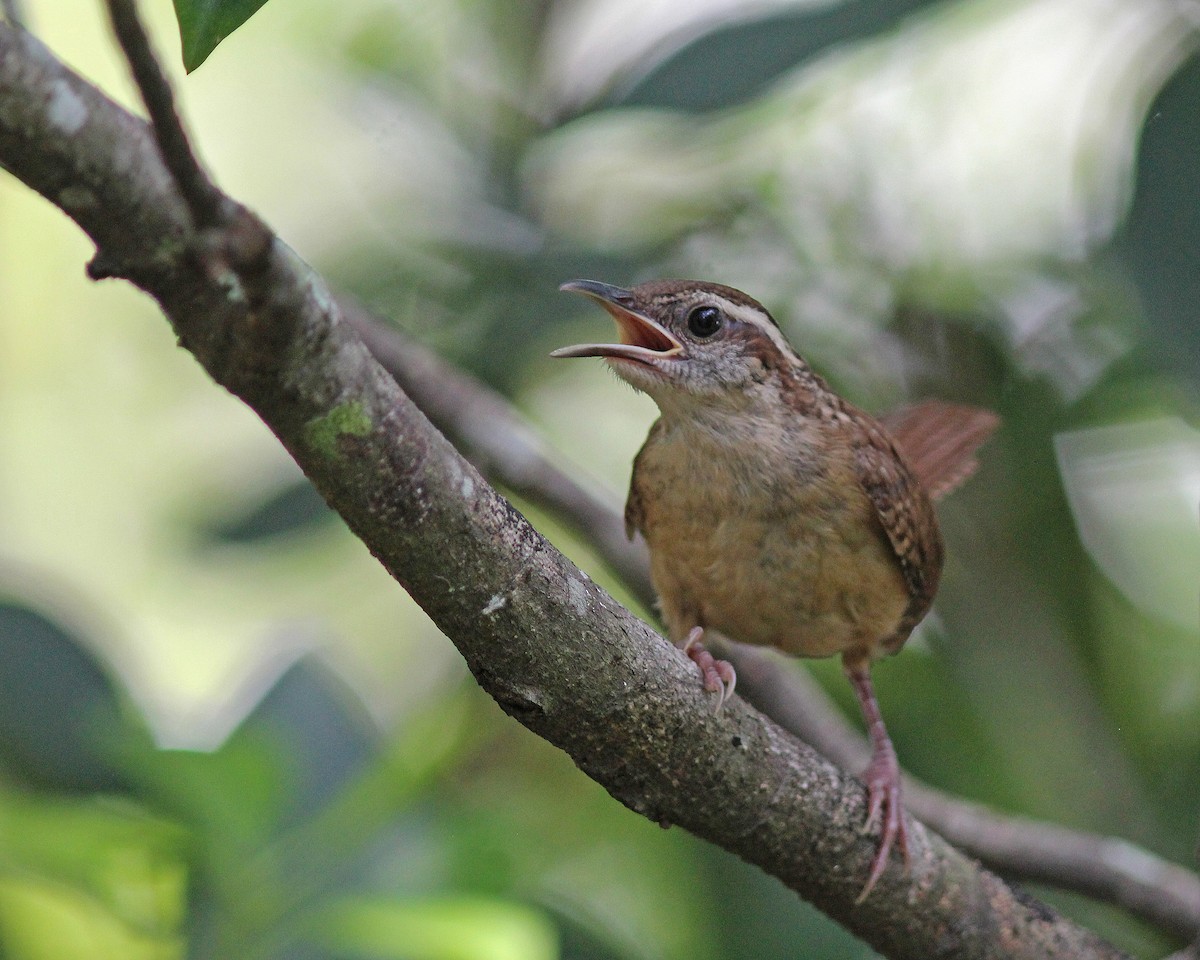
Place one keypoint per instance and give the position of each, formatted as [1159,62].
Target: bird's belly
[812,582]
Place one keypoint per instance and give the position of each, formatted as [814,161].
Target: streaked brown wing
[939,441]
[635,518]
[906,515]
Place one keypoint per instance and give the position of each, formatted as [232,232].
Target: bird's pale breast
[765,544]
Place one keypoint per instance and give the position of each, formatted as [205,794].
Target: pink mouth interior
[635,333]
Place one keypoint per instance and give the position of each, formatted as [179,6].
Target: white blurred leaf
[1134,490]
[982,132]
[592,45]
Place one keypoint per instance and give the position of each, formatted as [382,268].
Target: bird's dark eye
[704,321]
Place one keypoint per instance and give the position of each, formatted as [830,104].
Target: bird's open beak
[642,339]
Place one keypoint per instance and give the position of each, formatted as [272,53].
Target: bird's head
[681,339]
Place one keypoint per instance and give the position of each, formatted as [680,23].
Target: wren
[775,512]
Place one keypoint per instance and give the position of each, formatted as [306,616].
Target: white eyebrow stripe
[756,318]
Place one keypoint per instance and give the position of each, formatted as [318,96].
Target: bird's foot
[719,676]
[885,812]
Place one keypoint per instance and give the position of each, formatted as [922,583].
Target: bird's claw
[719,676]
[885,812]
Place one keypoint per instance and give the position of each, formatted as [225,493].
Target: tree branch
[555,651]
[496,438]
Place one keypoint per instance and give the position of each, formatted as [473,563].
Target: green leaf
[93,864]
[205,23]
[451,928]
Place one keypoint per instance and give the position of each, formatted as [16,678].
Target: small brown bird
[775,512]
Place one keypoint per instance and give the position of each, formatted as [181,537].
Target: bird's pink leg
[719,675]
[882,776]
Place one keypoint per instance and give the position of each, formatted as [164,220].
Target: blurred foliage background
[224,732]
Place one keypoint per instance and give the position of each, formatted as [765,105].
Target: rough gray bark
[555,651]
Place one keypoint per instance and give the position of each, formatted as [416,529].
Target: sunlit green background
[224,732]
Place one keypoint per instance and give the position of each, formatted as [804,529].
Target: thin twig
[495,437]
[200,194]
